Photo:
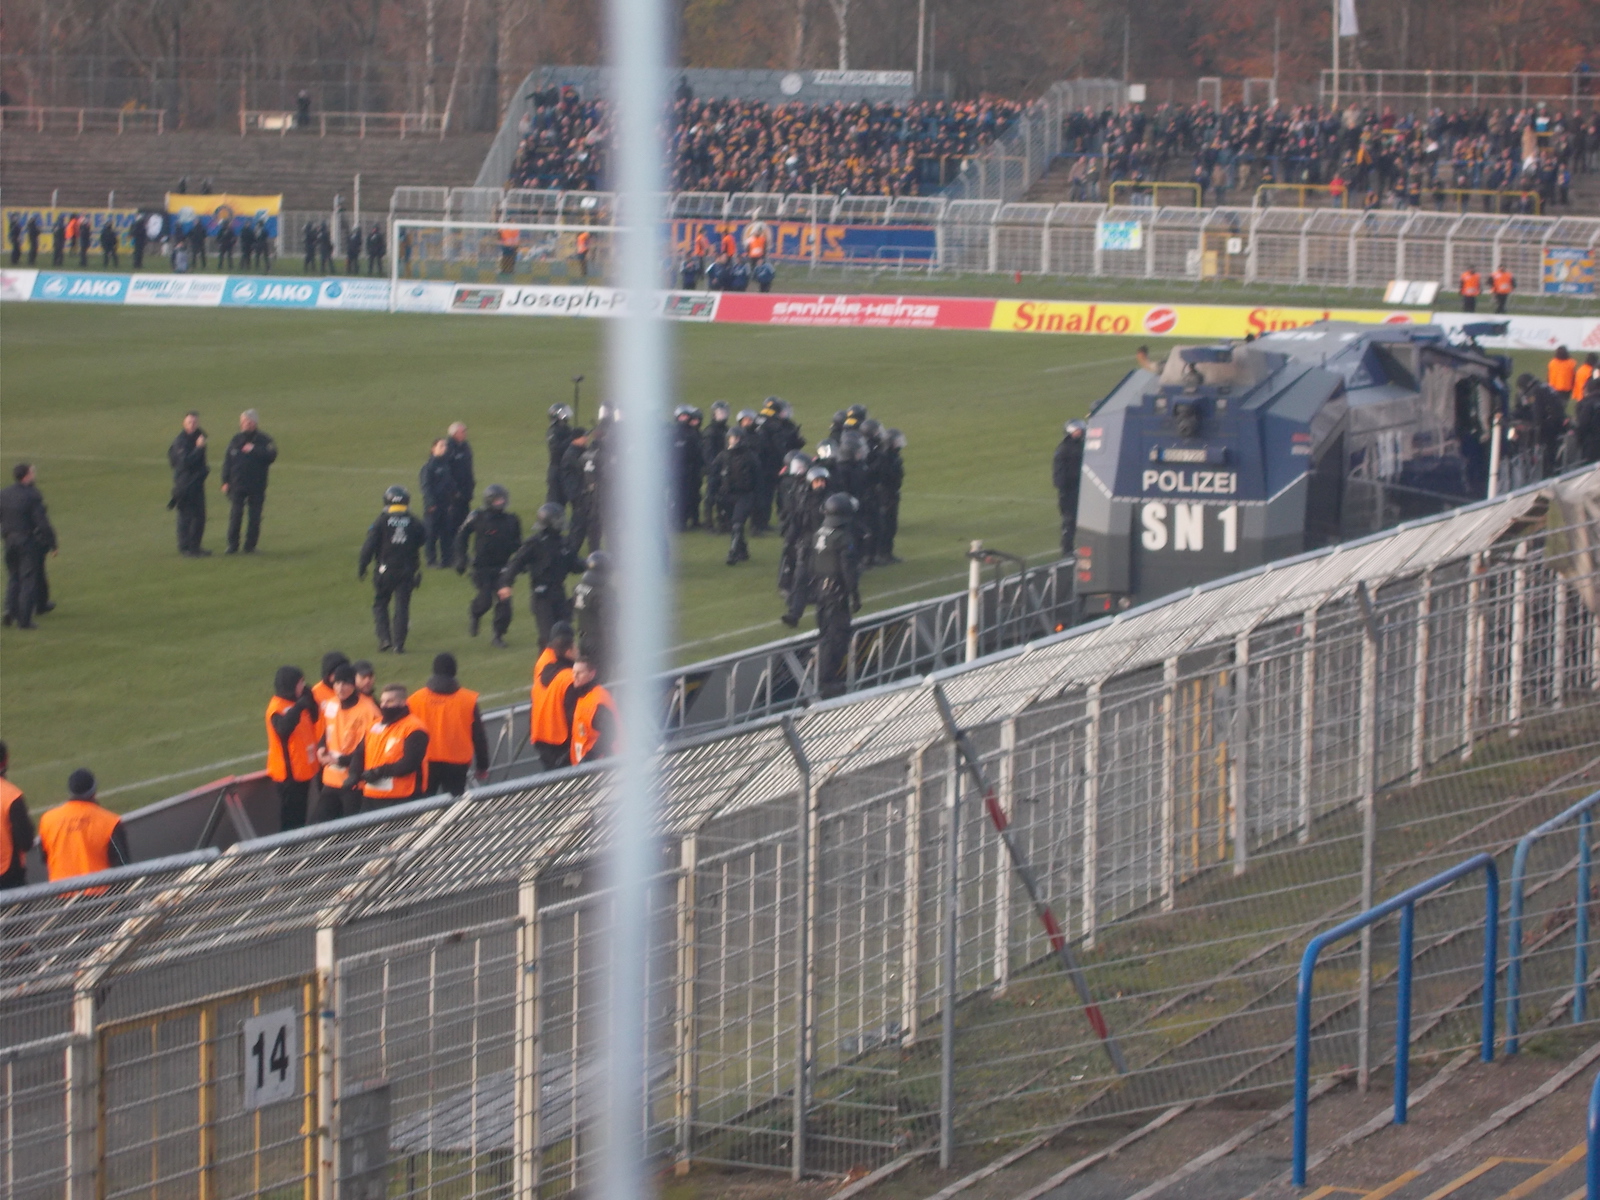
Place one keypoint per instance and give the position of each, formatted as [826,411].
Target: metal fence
[1200,785]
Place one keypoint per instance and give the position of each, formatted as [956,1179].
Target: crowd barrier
[1161,319]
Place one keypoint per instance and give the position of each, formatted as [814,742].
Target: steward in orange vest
[294,727]
[80,837]
[547,722]
[392,760]
[16,829]
[1584,373]
[1502,283]
[346,720]
[583,253]
[449,712]
[1471,288]
[591,714]
[508,250]
[1562,373]
[755,247]
[323,689]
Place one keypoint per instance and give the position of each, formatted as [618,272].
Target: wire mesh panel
[35,1115]
[1279,246]
[1376,243]
[215,1099]
[1019,229]
[432,1023]
[964,236]
[1071,238]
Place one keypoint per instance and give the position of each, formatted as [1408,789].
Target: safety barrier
[1583,812]
[1459,197]
[1188,785]
[350,124]
[1405,905]
[16,118]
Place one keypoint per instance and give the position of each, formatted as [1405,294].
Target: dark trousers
[385,590]
[292,797]
[799,591]
[578,529]
[891,525]
[447,779]
[225,259]
[833,641]
[436,546]
[488,585]
[766,485]
[333,803]
[1469,304]
[788,564]
[22,583]
[1500,299]
[552,756]
[191,520]
[454,514]
[689,505]
[237,502]
[1069,523]
[743,506]
[548,604]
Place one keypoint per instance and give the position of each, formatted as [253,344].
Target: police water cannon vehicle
[1231,455]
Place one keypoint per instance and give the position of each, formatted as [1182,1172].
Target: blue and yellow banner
[212,211]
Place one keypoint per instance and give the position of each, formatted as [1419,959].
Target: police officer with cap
[496,535]
[548,560]
[394,544]
[1066,474]
[557,438]
[835,589]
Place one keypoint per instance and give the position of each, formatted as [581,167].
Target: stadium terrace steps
[307,170]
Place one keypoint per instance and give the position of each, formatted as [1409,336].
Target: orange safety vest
[72,230]
[386,744]
[1502,282]
[548,722]
[77,839]
[1562,373]
[536,692]
[343,730]
[757,246]
[323,693]
[583,242]
[729,246]
[1471,283]
[1580,380]
[508,238]
[584,734]
[302,765]
[8,793]
[448,720]
[702,245]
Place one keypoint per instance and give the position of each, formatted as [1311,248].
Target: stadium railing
[345,124]
[1315,247]
[17,118]
[1191,782]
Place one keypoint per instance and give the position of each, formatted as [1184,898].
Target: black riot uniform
[850,471]
[804,524]
[1066,473]
[836,591]
[712,441]
[187,457]
[688,467]
[556,439]
[776,439]
[28,535]
[791,495]
[591,601]
[394,544]
[458,453]
[438,484]
[244,474]
[738,470]
[548,561]
[495,535]
[576,477]
[891,480]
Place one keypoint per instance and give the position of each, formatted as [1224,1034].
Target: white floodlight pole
[638,387]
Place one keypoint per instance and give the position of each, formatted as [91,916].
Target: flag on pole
[1348,26]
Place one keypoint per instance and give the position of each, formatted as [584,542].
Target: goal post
[506,252]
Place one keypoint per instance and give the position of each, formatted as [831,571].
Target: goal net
[501,252]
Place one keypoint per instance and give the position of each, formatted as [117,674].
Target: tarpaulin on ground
[214,210]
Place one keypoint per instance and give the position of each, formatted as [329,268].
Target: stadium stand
[307,170]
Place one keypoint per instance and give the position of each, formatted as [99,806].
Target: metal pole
[952,897]
[1402,1022]
[1580,963]
[922,30]
[804,981]
[639,377]
[974,597]
[1368,741]
[1335,13]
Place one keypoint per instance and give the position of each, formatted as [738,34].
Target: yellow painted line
[1393,1186]
[1461,1181]
[1328,1189]
[1564,1163]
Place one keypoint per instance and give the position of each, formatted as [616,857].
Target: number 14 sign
[271,1053]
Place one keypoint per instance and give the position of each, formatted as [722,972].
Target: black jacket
[574,479]
[556,440]
[738,471]
[395,542]
[189,469]
[687,464]
[833,563]
[246,473]
[498,535]
[24,521]
[1067,471]
[777,437]
[459,456]
[438,483]
[546,559]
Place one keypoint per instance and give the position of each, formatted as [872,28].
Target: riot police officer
[557,438]
[738,469]
[574,487]
[394,543]
[498,534]
[791,496]
[836,591]
[590,602]
[807,520]
[893,478]
[712,441]
[687,469]
[1066,474]
[548,560]
[777,437]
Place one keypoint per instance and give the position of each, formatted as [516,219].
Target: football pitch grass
[155,670]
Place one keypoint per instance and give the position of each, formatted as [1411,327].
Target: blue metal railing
[1583,811]
[1405,903]
[1593,1170]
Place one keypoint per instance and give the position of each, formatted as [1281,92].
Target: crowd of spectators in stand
[1364,157]
[749,146]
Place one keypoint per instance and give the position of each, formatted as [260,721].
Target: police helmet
[896,439]
[496,496]
[395,494]
[720,411]
[871,429]
[605,413]
[781,408]
[769,407]
[560,414]
[855,414]
[838,417]
[1075,429]
[838,508]
[682,411]
[826,450]
[796,462]
[696,417]
[598,560]
[735,435]
[816,473]
[852,445]
[551,516]
[746,414]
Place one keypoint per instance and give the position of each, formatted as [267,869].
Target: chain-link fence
[413,1001]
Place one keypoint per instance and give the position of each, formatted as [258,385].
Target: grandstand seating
[308,171]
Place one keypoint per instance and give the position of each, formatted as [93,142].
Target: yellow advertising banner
[224,206]
[1176,320]
[120,218]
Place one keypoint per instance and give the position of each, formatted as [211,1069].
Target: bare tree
[841,14]
[455,75]
[802,20]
